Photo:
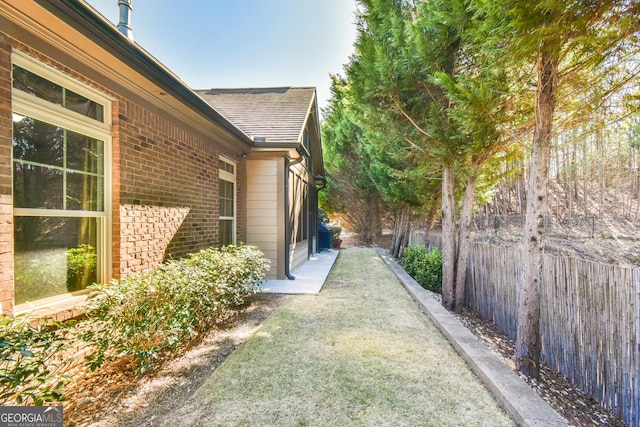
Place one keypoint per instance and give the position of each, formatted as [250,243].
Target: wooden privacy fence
[589,319]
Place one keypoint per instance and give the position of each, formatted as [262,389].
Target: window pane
[227,167]
[39,151]
[84,192]
[38,142]
[226,232]
[226,198]
[37,187]
[82,105]
[227,208]
[84,154]
[54,256]
[35,85]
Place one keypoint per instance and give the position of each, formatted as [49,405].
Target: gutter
[78,14]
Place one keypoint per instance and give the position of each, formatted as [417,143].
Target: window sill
[61,307]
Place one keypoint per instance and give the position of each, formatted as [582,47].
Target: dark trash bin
[324,237]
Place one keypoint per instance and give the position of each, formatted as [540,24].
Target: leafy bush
[81,267]
[424,266]
[32,365]
[159,311]
[335,231]
[322,216]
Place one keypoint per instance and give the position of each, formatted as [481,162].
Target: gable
[270,115]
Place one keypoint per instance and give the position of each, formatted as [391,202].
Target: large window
[227,199]
[61,196]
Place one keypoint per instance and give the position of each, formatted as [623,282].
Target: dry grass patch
[359,354]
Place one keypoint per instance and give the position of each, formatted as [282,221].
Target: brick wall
[165,182]
[168,182]
[6,204]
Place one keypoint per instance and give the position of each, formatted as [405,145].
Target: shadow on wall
[147,234]
[196,233]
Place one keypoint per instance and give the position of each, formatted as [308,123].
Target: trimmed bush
[143,317]
[425,267]
[335,231]
[31,363]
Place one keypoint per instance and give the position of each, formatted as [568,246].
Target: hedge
[145,316]
[424,266]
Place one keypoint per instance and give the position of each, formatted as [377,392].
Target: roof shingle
[276,114]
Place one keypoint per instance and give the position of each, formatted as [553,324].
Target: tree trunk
[448,238]
[528,344]
[407,232]
[585,178]
[397,235]
[601,182]
[463,243]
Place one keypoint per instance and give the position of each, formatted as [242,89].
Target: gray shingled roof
[276,114]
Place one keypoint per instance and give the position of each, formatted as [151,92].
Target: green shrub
[81,267]
[424,266]
[159,311]
[335,231]
[322,216]
[32,365]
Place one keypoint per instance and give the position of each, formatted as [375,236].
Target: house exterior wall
[299,253]
[265,210]
[169,182]
[164,175]
[6,202]
[298,200]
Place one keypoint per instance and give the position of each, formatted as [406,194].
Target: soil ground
[113,396]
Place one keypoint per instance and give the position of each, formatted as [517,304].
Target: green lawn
[359,354]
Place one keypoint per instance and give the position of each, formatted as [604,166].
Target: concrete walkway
[309,277]
[362,353]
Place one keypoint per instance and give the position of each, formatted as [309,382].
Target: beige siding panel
[262,238]
[271,254]
[261,188]
[262,179]
[263,167]
[263,230]
[299,253]
[272,273]
[263,222]
[261,213]
[268,248]
[258,221]
[264,196]
[265,206]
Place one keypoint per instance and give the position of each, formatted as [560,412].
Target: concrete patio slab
[309,277]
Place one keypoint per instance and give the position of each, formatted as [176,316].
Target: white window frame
[230,177]
[25,104]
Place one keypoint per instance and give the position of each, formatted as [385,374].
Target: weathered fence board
[590,319]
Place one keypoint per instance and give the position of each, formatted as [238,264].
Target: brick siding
[6,203]
[164,181]
[168,204]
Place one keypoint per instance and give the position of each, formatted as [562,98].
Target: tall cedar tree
[558,37]
[350,191]
[416,64]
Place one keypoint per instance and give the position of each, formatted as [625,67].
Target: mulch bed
[555,389]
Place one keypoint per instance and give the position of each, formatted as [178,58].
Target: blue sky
[245,43]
